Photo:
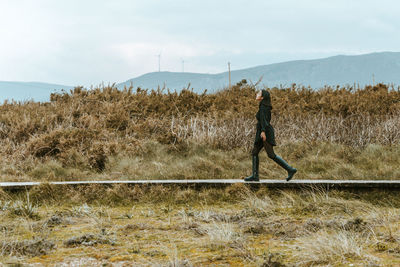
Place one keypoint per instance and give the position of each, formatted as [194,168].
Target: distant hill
[21,91]
[336,70]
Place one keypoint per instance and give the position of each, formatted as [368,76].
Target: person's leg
[271,154]
[255,162]
[270,150]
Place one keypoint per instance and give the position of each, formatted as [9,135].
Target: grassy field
[167,226]
[318,161]
[105,133]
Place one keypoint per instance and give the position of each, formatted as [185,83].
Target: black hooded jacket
[264,111]
[264,118]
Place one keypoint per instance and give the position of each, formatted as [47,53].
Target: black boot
[254,177]
[291,171]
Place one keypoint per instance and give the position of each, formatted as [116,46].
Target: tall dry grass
[81,130]
[248,225]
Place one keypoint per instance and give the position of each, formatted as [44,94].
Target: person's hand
[263,136]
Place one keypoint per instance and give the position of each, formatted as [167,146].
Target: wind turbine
[159,62]
[183,65]
[229,69]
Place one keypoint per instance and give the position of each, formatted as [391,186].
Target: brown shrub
[82,128]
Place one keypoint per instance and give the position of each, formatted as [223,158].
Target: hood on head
[266,101]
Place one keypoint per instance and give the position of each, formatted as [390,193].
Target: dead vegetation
[107,132]
[30,248]
[233,226]
[88,240]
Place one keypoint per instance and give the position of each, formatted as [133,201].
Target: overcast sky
[87,42]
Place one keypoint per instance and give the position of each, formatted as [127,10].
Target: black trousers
[259,144]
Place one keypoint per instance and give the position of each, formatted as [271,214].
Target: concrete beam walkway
[332,184]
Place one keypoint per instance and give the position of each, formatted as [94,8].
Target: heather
[147,134]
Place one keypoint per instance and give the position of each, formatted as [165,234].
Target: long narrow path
[378,184]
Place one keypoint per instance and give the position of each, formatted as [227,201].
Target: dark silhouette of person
[265,137]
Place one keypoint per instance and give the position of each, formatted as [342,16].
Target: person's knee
[254,152]
[270,150]
[271,154]
[256,149]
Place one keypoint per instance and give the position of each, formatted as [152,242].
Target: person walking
[265,137]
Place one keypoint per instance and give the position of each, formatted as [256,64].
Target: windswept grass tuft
[34,247]
[332,248]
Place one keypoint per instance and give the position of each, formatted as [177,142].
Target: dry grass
[314,161]
[110,134]
[105,132]
[234,226]
[26,247]
[332,248]
[221,234]
[355,131]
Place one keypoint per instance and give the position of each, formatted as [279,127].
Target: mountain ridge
[25,91]
[335,70]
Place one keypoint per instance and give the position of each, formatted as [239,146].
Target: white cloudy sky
[86,42]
